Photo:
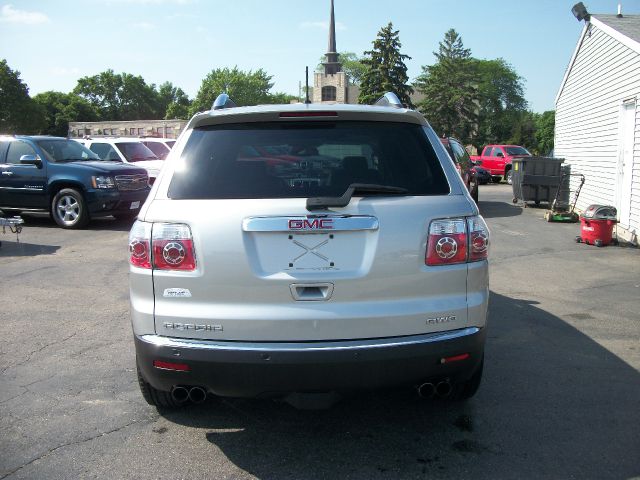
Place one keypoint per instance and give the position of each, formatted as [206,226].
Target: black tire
[154,397]
[509,177]
[466,390]
[598,243]
[69,210]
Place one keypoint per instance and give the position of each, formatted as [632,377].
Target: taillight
[172,247]
[139,245]
[457,240]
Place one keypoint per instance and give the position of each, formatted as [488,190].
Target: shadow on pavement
[104,223]
[553,404]
[498,209]
[20,249]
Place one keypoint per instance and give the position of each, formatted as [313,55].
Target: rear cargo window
[305,159]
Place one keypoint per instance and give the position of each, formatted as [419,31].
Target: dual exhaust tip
[440,389]
[193,394]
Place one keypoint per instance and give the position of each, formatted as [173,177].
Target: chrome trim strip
[310,223]
[34,189]
[339,345]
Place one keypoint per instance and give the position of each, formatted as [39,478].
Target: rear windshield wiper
[365,189]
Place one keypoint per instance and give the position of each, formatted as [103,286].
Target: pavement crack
[69,444]
[31,354]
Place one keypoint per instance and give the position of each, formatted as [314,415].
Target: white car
[128,150]
[300,251]
[160,146]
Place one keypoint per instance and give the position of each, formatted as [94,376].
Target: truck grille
[132,182]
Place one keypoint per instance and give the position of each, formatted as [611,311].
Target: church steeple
[332,65]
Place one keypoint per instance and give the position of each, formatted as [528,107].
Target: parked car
[246,284]
[463,164]
[128,150]
[66,179]
[482,174]
[497,159]
[160,146]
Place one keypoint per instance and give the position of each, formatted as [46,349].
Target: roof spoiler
[389,99]
[223,101]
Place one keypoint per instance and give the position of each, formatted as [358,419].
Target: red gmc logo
[315,224]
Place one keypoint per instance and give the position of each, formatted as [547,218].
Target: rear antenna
[307,101]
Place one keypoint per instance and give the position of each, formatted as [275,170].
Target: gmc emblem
[314,224]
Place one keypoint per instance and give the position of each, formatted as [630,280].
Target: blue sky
[53,43]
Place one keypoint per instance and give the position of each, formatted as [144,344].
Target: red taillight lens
[478,239]
[447,243]
[457,240]
[180,367]
[139,245]
[173,247]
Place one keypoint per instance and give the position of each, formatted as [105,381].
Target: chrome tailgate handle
[311,291]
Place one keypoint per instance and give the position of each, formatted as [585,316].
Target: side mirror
[500,155]
[31,160]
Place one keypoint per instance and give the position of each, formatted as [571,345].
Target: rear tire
[466,390]
[155,397]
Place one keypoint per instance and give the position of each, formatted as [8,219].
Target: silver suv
[305,250]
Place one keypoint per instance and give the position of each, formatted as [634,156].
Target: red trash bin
[596,225]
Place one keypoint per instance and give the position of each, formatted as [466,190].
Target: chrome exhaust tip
[444,388]
[426,390]
[180,394]
[197,394]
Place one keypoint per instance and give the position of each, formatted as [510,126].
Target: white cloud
[65,72]
[146,26]
[8,14]
[322,24]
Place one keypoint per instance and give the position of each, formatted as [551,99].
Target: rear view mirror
[31,160]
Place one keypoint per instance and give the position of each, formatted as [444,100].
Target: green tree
[62,108]
[172,102]
[18,112]
[120,96]
[244,88]
[545,129]
[523,131]
[385,69]
[351,64]
[450,89]
[501,103]
[278,98]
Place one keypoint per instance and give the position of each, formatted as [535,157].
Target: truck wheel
[468,389]
[155,397]
[509,177]
[69,209]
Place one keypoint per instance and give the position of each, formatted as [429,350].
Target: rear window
[305,159]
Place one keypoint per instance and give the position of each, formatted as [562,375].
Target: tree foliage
[351,65]
[501,103]
[545,130]
[244,88]
[120,96]
[172,102]
[61,108]
[450,89]
[18,112]
[385,69]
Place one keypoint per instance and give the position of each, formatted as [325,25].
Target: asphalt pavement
[560,396]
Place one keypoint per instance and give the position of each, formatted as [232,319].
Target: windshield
[305,159]
[62,150]
[517,151]
[160,149]
[135,151]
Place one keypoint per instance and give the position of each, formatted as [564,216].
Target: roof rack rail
[389,99]
[223,101]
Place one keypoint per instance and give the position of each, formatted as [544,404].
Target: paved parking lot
[560,397]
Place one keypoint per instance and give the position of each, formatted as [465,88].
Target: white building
[598,117]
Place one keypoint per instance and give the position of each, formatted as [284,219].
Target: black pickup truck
[66,179]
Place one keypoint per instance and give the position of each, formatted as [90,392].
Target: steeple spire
[332,65]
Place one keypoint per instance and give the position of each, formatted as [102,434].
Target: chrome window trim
[325,346]
[339,223]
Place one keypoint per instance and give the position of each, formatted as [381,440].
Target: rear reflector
[455,358]
[179,367]
[307,114]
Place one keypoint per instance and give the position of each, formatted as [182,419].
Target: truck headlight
[103,182]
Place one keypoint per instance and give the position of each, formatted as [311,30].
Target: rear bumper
[256,369]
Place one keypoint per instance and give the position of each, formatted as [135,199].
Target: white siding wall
[604,74]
